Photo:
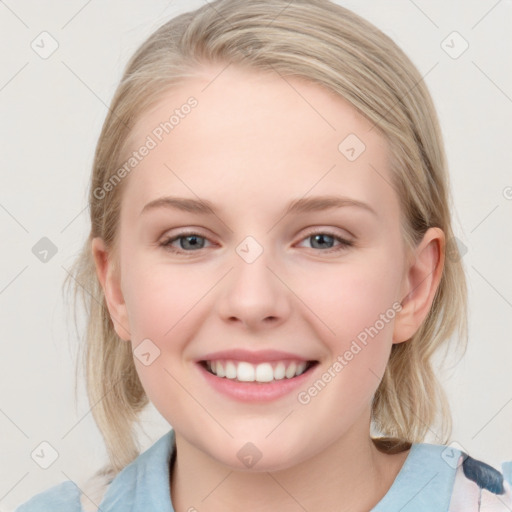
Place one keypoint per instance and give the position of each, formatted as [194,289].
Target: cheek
[358,303]
[352,297]
[359,306]
[162,304]
[158,297]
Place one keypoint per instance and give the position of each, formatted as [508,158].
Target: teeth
[263,372]
[290,371]
[279,371]
[230,370]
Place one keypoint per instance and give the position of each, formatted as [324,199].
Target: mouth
[265,372]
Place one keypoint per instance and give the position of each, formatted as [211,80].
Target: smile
[243,371]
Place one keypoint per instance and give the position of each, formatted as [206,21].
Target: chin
[247,456]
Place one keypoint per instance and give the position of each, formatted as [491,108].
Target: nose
[253,294]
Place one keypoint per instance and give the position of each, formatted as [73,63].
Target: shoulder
[440,477]
[64,497]
[478,483]
[70,497]
[141,485]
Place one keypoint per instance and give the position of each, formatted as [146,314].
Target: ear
[421,280]
[110,282]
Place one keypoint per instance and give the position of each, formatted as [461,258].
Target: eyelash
[344,244]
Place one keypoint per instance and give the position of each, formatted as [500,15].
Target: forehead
[253,139]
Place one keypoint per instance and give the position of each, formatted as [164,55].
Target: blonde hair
[329,45]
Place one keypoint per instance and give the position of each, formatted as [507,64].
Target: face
[321,281]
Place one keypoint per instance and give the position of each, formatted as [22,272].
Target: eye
[324,240]
[190,242]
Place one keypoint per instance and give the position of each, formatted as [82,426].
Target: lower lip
[255,391]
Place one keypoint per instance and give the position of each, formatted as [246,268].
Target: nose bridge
[252,292]
[252,278]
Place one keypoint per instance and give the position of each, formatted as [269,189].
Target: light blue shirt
[424,484]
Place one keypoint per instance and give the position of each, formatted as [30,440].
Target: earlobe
[110,283]
[421,280]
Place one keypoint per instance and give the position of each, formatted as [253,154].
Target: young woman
[267,265]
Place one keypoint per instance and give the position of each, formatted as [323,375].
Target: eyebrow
[302,205]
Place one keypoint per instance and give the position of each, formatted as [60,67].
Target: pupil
[191,240]
[322,238]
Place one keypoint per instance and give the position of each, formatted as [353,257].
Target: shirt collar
[423,484]
[425,481]
[143,484]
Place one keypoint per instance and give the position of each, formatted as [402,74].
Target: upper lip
[254,357]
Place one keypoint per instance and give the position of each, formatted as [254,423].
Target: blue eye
[190,242]
[187,241]
[325,237]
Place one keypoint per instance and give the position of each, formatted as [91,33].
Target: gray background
[51,112]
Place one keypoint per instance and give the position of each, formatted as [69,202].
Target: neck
[348,475]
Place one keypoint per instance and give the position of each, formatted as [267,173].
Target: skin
[251,146]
